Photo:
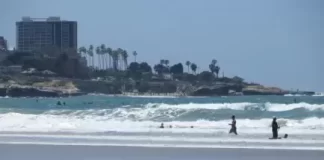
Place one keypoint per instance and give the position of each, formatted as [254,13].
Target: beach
[69,152]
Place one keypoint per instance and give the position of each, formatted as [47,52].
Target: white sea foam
[295,95]
[287,107]
[93,123]
[275,107]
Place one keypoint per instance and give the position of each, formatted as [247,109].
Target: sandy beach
[54,152]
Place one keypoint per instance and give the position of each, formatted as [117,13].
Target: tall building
[3,43]
[37,33]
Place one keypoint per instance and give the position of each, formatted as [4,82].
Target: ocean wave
[186,112]
[193,111]
[274,107]
[94,123]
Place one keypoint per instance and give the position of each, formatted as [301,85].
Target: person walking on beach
[233,126]
[275,128]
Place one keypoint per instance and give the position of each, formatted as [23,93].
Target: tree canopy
[176,69]
[105,61]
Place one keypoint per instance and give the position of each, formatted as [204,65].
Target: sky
[272,42]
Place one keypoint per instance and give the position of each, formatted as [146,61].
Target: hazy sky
[273,42]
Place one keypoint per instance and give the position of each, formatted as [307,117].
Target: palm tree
[98,52]
[188,64]
[134,54]
[103,52]
[109,52]
[193,67]
[125,56]
[214,62]
[120,52]
[83,52]
[162,61]
[115,55]
[217,68]
[166,62]
[211,68]
[90,53]
[214,68]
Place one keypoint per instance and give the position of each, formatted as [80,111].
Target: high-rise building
[34,34]
[3,43]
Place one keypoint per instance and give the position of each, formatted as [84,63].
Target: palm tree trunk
[115,63]
[120,64]
[125,62]
[106,61]
[93,61]
[110,61]
[99,61]
[87,58]
[103,61]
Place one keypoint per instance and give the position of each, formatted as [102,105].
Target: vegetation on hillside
[104,62]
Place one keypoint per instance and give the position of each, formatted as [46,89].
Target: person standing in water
[233,126]
[275,128]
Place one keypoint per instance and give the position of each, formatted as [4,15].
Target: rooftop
[49,19]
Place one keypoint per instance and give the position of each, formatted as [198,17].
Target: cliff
[262,90]
[33,86]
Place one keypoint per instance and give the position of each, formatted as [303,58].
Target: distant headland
[52,72]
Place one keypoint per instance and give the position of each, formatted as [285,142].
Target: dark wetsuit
[233,129]
[275,129]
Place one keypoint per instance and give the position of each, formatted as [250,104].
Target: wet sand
[66,152]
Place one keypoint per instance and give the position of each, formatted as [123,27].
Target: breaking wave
[202,116]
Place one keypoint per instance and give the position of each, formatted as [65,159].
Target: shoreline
[160,146]
[50,152]
[260,141]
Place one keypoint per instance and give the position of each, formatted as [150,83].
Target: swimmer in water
[162,125]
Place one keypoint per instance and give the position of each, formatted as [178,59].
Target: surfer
[233,126]
[275,128]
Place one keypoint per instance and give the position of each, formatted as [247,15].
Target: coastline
[36,86]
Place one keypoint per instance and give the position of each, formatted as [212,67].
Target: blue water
[257,109]
[135,119]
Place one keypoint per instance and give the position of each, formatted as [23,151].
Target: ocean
[196,122]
